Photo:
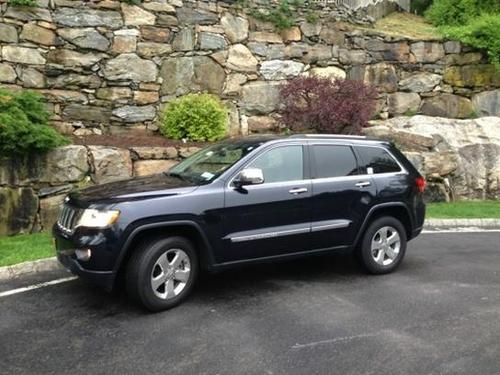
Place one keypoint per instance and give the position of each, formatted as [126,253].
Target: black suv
[240,201]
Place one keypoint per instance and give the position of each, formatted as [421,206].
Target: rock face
[260,97]
[18,209]
[487,103]
[198,73]
[110,164]
[129,66]
[65,164]
[179,47]
[464,154]
[448,105]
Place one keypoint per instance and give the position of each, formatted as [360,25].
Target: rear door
[272,218]
[341,195]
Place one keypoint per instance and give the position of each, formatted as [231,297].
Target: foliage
[327,106]
[459,12]
[131,1]
[282,17]
[25,247]
[420,6]
[197,117]
[25,3]
[24,124]
[481,32]
[473,22]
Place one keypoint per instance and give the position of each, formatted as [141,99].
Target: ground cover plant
[25,247]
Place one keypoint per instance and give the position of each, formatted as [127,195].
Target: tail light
[420,183]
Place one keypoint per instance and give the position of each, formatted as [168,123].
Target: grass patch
[25,247]
[464,210]
[406,25]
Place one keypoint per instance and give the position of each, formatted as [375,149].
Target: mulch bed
[128,141]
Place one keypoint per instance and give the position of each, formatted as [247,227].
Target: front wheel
[383,246]
[161,273]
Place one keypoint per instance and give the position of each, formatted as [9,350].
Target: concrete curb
[17,270]
[462,223]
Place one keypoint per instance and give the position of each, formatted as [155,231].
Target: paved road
[439,314]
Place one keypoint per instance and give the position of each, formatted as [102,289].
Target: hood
[158,185]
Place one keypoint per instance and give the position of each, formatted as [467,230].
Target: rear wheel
[161,272]
[383,246]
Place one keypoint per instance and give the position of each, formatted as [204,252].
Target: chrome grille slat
[68,218]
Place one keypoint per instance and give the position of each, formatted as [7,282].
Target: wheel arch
[397,210]
[188,229]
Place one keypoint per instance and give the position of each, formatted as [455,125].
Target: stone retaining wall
[32,189]
[109,67]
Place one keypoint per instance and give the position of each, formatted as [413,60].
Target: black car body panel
[234,225]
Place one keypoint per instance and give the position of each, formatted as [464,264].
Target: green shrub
[25,3]
[197,117]
[459,12]
[24,124]
[481,32]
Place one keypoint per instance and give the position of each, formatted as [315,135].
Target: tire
[161,272]
[379,257]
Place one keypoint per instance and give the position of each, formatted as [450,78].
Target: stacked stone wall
[110,67]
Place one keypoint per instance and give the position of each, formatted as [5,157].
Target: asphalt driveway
[439,314]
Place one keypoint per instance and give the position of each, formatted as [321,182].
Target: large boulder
[83,17]
[420,82]
[110,164]
[87,38]
[447,105]
[18,209]
[129,66]
[487,103]
[182,75]
[49,210]
[235,28]
[280,69]
[260,97]
[65,164]
[463,156]
[472,76]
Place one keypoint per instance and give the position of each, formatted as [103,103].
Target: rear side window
[376,160]
[334,161]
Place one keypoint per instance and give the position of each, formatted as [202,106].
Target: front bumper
[98,270]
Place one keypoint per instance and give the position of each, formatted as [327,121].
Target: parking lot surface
[438,314]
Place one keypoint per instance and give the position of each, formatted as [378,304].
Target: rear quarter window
[375,160]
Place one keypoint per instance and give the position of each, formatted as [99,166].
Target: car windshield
[209,163]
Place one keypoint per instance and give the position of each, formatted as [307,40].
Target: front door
[272,218]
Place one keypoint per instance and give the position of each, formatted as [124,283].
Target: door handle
[363,184]
[297,191]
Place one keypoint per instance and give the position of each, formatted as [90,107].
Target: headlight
[97,219]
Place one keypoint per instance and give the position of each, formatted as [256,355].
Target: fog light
[83,254]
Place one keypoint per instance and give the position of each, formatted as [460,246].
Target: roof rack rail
[327,136]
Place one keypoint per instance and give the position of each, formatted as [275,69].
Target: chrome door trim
[318,226]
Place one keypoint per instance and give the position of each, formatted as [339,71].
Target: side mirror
[249,176]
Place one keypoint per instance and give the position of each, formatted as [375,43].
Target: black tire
[364,252]
[142,264]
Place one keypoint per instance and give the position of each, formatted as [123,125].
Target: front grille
[68,218]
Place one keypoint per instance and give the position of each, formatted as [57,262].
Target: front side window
[334,161]
[281,164]
[376,160]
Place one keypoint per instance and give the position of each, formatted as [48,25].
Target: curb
[462,223]
[17,270]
